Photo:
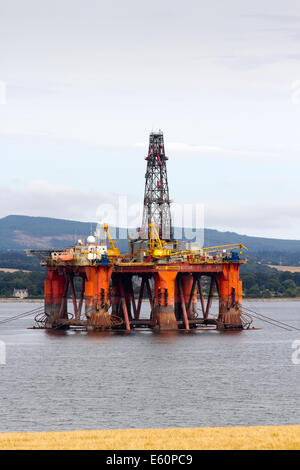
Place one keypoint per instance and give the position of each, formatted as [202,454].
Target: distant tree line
[19,260]
[284,258]
[33,281]
[268,285]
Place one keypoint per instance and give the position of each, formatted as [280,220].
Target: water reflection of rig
[169,273]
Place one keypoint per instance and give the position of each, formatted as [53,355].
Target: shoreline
[274,299]
[286,437]
[22,301]
[247,299]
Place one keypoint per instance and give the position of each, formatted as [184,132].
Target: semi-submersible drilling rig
[170,273]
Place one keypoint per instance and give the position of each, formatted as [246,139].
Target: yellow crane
[160,249]
[156,244]
[218,248]
[113,250]
[157,249]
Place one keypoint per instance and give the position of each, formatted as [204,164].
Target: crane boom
[114,251]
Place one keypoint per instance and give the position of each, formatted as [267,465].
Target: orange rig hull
[107,300]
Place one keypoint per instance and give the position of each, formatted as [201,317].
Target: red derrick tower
[156,196]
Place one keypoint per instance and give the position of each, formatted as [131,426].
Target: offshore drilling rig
[170,273]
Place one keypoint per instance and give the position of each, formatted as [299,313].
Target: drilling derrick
[156,197]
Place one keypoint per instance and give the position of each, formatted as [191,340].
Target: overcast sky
[84,82]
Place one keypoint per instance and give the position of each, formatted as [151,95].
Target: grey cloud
[43,199]
[277,18]
[280,220]
[255,61]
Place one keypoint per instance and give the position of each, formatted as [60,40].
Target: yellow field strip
[291,269]
[257,437]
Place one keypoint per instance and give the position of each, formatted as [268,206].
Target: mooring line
[24,314]
[272,319]
[271,322]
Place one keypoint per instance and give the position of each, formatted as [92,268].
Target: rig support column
[56,287]
[230,296]
[123,301]
[97,296]
[200,290]
[210,297]
[140,299]
[163,313]
[189,288]
[188,283]
[115,295]
[124,305]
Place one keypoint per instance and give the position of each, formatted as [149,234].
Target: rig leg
[131,296]
[115,297]
[139,305]
[183,304]
[71,282]
[201,295]
[97,296]
[189,287]
[128,292]
[189,291]
[230,297]
[163,313]
[124,304]
[150,297]
[81,297]
[210,297]
[55,298]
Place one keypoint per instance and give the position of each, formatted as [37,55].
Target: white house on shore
[20,293]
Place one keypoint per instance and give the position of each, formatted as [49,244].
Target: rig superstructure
[169,272]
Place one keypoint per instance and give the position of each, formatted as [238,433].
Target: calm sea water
[75,380]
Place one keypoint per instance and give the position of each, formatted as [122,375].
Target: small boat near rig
[169,272]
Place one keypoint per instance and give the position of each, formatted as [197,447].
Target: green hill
[20,232]
[212,237]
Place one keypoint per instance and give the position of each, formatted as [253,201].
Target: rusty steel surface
[136,268]
[173,292]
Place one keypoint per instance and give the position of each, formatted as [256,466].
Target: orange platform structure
[111,296]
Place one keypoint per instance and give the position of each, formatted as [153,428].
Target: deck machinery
[111,286]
